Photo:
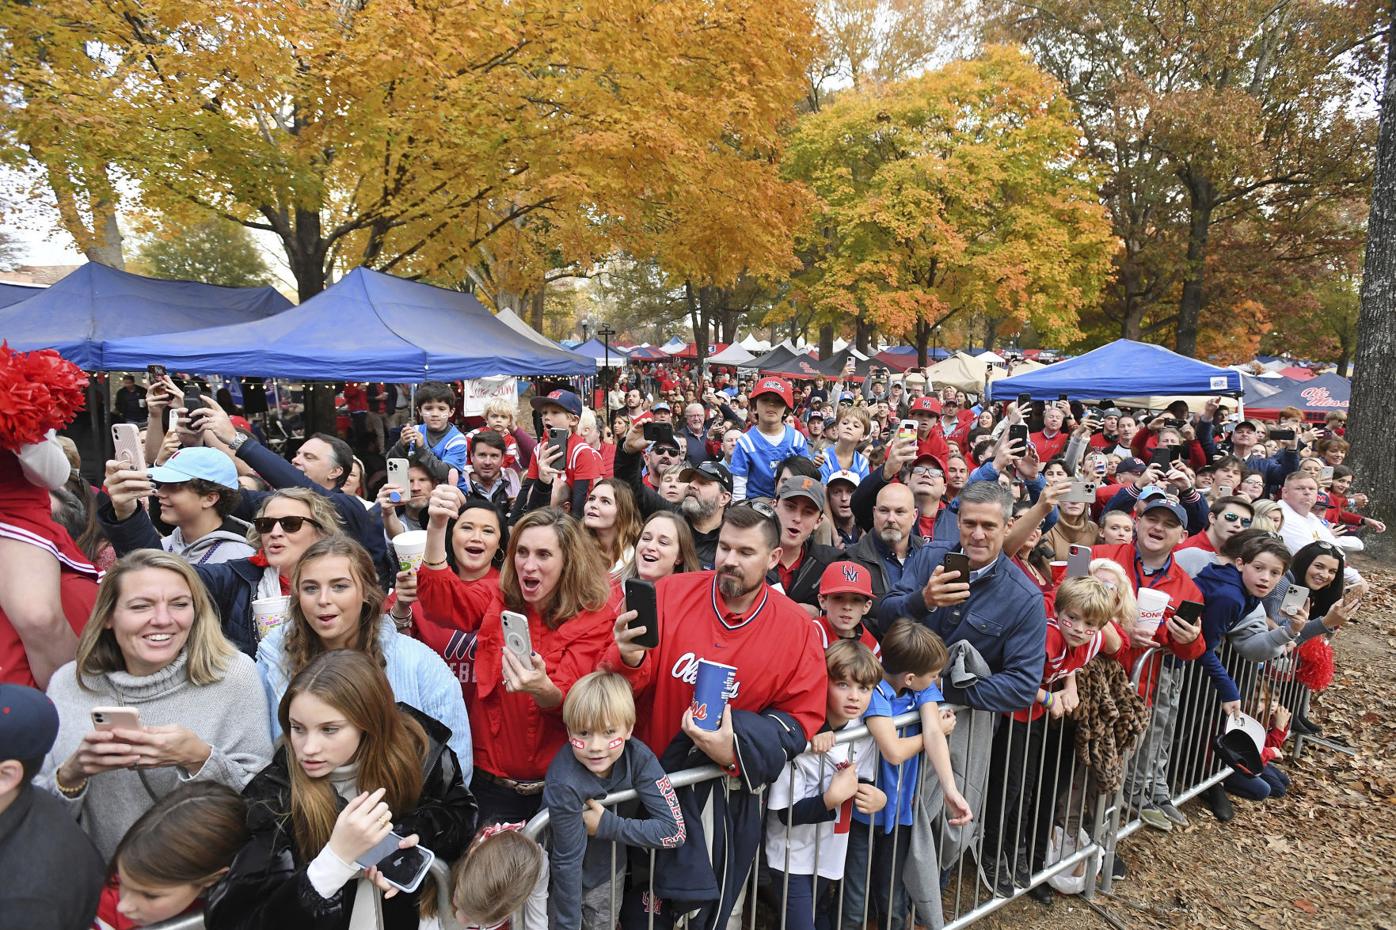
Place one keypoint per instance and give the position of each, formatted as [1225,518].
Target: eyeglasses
[1237,518]
[265,525]
[927,470]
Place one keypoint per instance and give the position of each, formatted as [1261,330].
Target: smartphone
[1061,397]
[1281,434]
[658,432]
[397,475]
[557,438]
[1188,611]
[126,439]
[1224,490]
[1082,492]
[155,373]
[403,868]
[1018,436]
[906,429]
[516,638]
[193,400]
[1024,398]
[1162,457]
[639,597]
[1078,561]
[116,718]
[957,562]
[1294,600]
[1325,474]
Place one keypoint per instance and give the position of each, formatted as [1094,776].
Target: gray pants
[598,911]
[1146,778]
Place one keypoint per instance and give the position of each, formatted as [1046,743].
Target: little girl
[173,856]
[501,882]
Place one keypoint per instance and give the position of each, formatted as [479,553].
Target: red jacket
[514,737]
[1337,511]
[934,444]
[774,647]
[1198,540]
[1174,582]
[1048,449]
[455,645]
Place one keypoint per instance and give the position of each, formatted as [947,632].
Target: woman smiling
[337,604]
[152,646]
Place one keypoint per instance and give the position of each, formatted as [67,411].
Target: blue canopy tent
[14,293]
[368,326]
[596,350]
[1315,398]
[1123,368]
[95,305]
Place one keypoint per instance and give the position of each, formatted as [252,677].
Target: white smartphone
[1082,492]
[126,438]
[1325,474]
[403,868]
[1078,561]
[116,718]
[516,638]
[1223,490]
[1294,599]
[398,477]
[906,429]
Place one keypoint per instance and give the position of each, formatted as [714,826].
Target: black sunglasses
[265,525]
[1234,517]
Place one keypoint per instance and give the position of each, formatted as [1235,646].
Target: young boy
[1083,607]
[912,658]
[499,417]
[845,597]
[599,714]
[763,447]
[850,430]
[435,443]
[808,807]
[578,467]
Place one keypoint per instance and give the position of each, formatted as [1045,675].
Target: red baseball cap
[777,386]
[925,404]
[846,578]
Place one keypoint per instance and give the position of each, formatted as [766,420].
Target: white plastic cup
[410,547]
[1152,606]
[268,613]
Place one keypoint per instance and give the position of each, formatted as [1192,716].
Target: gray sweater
[229,715]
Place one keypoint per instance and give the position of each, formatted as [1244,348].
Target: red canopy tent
[1295,373]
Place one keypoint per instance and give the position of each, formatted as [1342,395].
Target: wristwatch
[236,442]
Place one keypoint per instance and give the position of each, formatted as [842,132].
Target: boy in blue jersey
[763,447]
[436,445]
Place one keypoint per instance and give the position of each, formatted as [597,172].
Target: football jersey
[807,777]
[756,458]
[831,465]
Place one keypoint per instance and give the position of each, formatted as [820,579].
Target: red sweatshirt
[450,640]
[773,645]
[1047,447]
[1337,511]
[514,737]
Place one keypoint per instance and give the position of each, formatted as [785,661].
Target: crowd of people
[245,685]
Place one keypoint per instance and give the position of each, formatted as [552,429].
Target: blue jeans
[888,852]
[801,900]
[1270,783]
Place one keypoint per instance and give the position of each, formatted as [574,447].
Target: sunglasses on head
[1237,518]
[265,525]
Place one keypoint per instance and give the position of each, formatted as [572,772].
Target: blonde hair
[1126,609]
[1261,520]
[208,650]
[585,583]
[598,700]
[503,406]
[495,877]
[1088,600]
[321,511]
[856,413]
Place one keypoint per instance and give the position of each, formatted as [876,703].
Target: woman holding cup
[555,586]
[337,604]
[157,696]
[354,768]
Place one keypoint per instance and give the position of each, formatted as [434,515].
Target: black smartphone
[1018,436]
[557,438]
[1281,434]
[1162,457]
[155,372]
[957,562]
[639,597]
[658,432]
[1061,397]
[193,400]
[1188,611]
[1024,398]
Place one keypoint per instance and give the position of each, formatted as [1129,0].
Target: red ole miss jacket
[514,737]
[449,640]
[774,647]
[1173,581]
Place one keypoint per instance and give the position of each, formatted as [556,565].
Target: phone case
[516,637]
[126,440]
[116,718]
[639,597]
[389,872]
[1294,599]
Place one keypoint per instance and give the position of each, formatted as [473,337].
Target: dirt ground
[1324,856]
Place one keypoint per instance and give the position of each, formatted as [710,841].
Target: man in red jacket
[1051,440]
[1149,563]
[729,615]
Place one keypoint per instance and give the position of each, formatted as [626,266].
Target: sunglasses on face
[1237,518]
[265,525]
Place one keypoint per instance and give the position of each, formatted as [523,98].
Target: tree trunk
[536,302]
[1373,417]
[862,335]
[101,242]
[991,332]
[826,340]
[922,335]
[1201,193]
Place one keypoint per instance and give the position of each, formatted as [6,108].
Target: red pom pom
[39,391]
[1315,664]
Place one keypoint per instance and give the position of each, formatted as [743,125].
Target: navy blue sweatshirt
[1224,602]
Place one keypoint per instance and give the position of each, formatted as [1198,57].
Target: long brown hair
[585,583]
[187,838]
[688,552]
[627,520]
[208,650]
[302,643]
[391,744]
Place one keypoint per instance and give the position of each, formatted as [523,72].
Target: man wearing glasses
[1225,518]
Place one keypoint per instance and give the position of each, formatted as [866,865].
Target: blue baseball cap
[28,722]
[1164,503]
[197,462]
[564,399]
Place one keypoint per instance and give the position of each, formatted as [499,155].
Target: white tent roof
[991,357]
[752,344]
[732,355]
[512,320]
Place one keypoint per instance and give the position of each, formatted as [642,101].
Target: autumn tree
[955,193]
[210,250]
[1204,114]
[437,137]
